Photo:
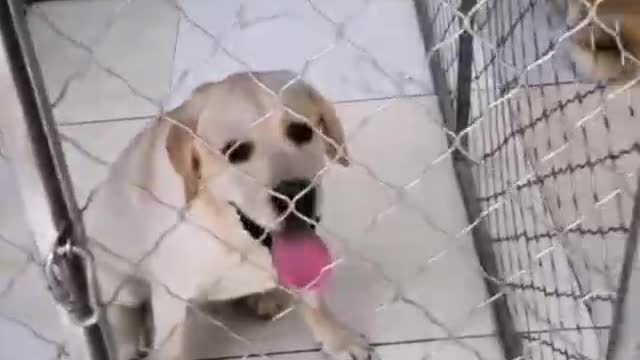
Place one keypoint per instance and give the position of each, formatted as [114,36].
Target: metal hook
[67,296]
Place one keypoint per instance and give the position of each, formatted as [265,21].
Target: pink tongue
[301,260]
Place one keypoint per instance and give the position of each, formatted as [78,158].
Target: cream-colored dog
[178,221]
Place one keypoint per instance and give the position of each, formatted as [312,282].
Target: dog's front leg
[337,340]
[169,316]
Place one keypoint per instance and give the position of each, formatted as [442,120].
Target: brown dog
[608,47]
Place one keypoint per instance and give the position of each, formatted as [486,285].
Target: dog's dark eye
[299,132]
[195,163]
[237,152]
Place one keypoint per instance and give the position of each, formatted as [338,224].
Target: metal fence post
[45,185]
[456,119]
[624,339]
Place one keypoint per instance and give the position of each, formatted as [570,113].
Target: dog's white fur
[139,240]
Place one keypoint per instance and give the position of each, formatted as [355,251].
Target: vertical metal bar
[624,339]
[457,120]
[37,154]
[439,77]
[465,64]
[483,244]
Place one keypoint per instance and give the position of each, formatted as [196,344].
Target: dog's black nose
[303,194]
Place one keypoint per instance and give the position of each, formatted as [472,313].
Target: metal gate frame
[43,176]
[456,119]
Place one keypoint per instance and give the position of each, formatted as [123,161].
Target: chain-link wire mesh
[554,157]
[545,160]
[28,315]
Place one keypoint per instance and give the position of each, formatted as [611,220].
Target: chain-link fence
[552,155]
[537,141]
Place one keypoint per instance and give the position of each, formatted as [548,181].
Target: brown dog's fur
[608,47]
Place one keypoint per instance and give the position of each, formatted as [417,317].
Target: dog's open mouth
[301,258]
[258,232]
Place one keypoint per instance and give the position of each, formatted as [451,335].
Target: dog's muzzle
[299,192]
[296,200]
[300,257]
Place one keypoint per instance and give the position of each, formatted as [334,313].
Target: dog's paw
[344,344]
[269,304]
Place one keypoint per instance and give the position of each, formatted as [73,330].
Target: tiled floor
[162,53]
[330,42]
[26,305]
[138,45]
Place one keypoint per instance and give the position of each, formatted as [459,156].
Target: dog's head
[252,152]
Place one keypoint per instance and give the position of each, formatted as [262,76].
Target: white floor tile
[410,145]
[17,342]
[29,325]
[13,224]
[138,46]
[386,56]
[395,144]
[481,348]
[100,144]
[472,349]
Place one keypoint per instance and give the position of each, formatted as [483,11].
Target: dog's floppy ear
[182,153]
[331,126]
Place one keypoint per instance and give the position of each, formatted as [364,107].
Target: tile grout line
[103,121]
[141,117]
[173,56]
[353,101]
[405,342]
[373,344]
[149,116]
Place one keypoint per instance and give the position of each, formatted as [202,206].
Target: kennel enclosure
[546,165]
